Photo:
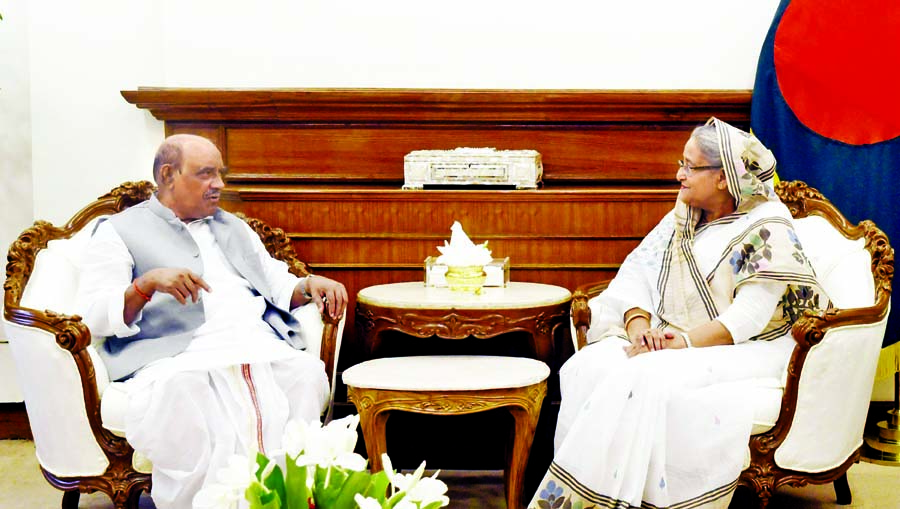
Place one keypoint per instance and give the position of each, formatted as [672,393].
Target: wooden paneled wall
[327,165]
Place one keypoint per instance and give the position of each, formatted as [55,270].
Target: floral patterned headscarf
[767,249]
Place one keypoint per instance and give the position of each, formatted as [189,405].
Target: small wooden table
[420,311]
[451,385]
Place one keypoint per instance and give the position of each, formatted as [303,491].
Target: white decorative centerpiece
[465,261]
[521,169]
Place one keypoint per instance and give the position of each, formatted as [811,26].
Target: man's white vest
[156,238]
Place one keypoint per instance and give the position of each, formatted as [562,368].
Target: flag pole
[882,444]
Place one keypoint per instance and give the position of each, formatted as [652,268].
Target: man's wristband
[687,340]
[139,292]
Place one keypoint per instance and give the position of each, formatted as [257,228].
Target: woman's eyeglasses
[689,170]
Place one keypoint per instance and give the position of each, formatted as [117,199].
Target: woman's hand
[650,340]
[653,339]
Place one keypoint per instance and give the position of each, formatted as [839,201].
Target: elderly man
[195,317]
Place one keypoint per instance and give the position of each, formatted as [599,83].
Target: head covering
[749,166]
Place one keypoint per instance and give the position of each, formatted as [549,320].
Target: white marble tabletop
[415,295]
[446,373]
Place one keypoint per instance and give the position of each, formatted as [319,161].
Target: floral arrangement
[461,251]
[317,469]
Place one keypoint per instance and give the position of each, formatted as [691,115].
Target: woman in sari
[652,414]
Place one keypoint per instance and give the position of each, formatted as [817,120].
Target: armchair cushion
[842,265]
[54,279]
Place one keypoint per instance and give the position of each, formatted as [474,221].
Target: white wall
[85,137]
[15,124]
[15,154]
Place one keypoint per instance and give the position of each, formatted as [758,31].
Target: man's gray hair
[168,153]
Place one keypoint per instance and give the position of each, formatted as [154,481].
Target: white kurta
[233,389]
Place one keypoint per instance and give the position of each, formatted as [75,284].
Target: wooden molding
[436,105]
[306,194]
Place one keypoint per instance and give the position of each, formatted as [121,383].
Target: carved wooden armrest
[581,312]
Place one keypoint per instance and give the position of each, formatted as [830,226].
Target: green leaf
[259,498]
[378,486]
[434,505]
[298,494]
[356,482]
[261,461]
[394,500]
[328,486]
[275,482]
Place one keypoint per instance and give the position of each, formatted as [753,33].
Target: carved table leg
[373,420]
[374,426]
[523,436]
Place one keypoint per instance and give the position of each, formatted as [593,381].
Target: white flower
[428,490]
[402,482]
[366,502]
[351,461]
[332,444]
[296,436]
[343,432]
[387,467]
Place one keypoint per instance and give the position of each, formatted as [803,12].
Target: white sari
[669,428]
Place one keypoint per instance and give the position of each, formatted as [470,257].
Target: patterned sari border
[605,501]
[586,493]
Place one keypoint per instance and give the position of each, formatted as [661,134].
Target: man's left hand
[327,293]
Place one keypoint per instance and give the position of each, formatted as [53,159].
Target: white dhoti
[227,394]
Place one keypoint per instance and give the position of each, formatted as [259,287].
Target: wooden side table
[451,385]
[420,311]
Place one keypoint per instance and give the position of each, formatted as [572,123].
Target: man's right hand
[179,283]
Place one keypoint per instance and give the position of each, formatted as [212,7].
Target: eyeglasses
[689,170]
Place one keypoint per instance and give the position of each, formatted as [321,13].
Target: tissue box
[521,169]
[497,272]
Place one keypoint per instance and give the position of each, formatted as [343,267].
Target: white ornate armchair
[75,412]
[808,425]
